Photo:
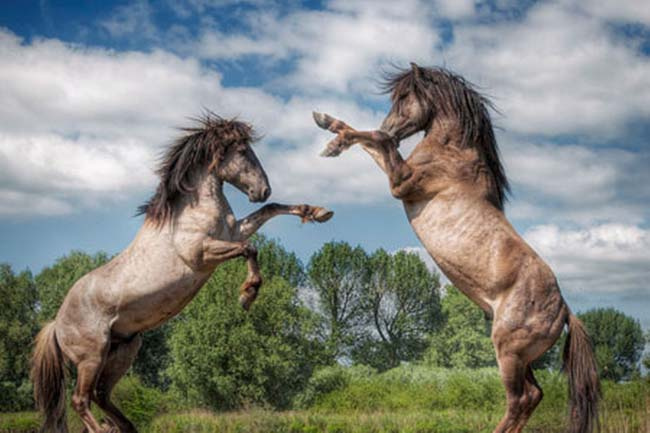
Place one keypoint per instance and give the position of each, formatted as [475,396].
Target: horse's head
[410,112]
[240,167]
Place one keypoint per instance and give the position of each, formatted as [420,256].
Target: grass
[407,399]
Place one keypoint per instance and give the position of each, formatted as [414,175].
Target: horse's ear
[416,69]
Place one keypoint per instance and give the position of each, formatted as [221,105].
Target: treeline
[344,307]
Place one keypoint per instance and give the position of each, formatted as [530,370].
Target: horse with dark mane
[453,188]
[189,229]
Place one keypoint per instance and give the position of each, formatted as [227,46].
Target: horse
[188,230]
[453,188]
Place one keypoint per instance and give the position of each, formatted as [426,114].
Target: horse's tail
[582,372]
[48,375]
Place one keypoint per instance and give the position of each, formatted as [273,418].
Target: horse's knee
[80,403]
[535,396]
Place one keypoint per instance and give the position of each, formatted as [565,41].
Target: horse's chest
[454,242]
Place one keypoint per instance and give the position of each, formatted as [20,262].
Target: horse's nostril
[266,192]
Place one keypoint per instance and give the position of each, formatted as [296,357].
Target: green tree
[464,339]
[18,327]
[53,282]
[401,307]
[618,341]
[223,357]
[339,274]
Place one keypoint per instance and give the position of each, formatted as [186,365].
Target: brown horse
[188,230]
[453,188]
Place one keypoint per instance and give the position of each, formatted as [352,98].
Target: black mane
[451,95]
[203,144]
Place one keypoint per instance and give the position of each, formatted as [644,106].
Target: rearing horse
[453,187]
[188,230]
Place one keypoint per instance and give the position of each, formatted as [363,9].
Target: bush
[20,422]
[223,357]
[141,404]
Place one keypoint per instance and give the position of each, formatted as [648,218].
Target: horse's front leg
[251,223]
[381,147]
[217,251]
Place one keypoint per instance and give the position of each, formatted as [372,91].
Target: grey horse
[189,229]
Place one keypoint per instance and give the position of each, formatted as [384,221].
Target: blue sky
[92,90]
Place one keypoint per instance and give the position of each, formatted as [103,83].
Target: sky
[91,93]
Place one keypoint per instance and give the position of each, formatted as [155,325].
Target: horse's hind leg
[534,396]
[89,359]
[119,359]
[513,375]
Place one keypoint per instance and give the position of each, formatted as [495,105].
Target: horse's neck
[443,131]
[208,205]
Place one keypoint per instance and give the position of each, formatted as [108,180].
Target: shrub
[141,404]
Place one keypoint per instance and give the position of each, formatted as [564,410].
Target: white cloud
[557,71]
[455,9]
[341,48]
[129,19]
[602,258]
[82,124]
[575,182]
[629,11]
[17,203]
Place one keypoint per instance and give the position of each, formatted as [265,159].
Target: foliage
[140,403]
[464,340]
[339,274]
[308,422]
[223,357]
[400,307]
[20,422]
[17,329]
[274,260]
[54,282]
[618,340]
[153,357]
[329,379]
[405,399]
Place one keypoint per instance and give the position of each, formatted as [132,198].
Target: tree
[464,339]
[401,307]
[18,327]
[339,274]
[223,357]
[618,341]
[54,282]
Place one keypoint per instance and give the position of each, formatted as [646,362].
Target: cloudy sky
[92,91]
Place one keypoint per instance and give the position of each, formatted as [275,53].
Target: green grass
[23,422]
[408,399]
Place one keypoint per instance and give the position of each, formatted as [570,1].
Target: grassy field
[406,399]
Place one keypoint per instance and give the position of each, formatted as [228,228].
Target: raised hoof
[322,120]
[330,152]
[248,294]
[321,214]
[245,301]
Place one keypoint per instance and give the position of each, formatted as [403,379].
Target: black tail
[584,386]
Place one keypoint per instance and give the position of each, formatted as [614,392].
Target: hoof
[248,294]
[322,120]
[330,152]
[245,301]
[321,214]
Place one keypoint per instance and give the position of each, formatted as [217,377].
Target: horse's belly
[149,305]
